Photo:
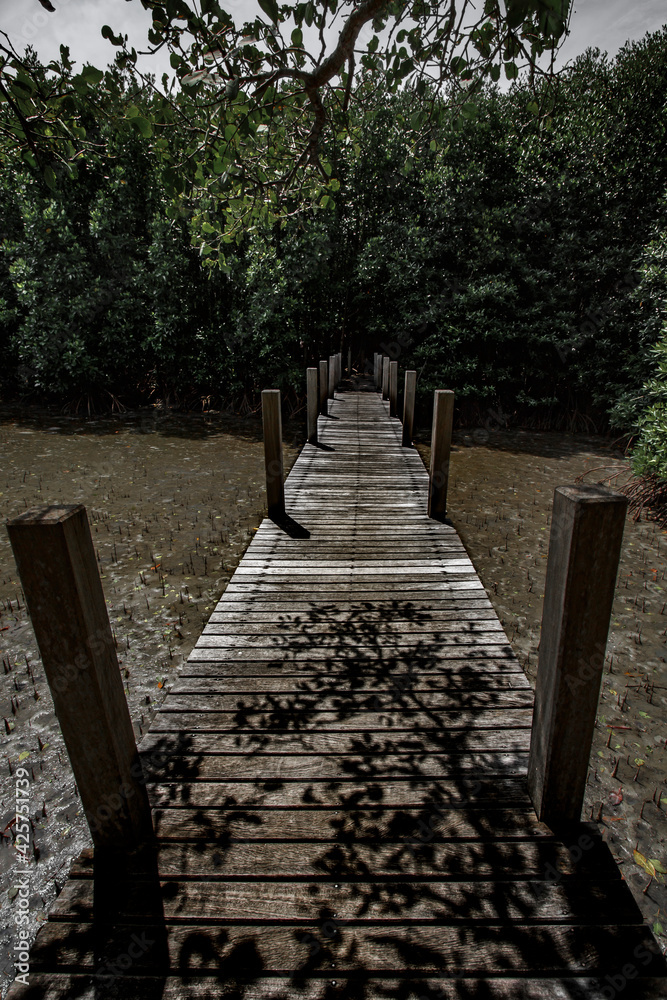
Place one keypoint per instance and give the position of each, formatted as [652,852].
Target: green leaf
[644,863]
[270,8]
[92,75]
[297,37]
[207,228]
[511,71]
[328,169]
[533,107]
[470,110]
[132,111]
[108,33]
[26,753]
[50,181]
[143,126]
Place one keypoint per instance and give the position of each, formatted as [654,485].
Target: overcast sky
[606,24]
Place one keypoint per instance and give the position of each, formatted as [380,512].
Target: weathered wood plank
[427,949]
[345,987]
[387,904]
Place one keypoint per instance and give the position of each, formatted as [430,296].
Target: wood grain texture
[338,780]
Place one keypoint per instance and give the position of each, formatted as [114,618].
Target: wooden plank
[157,748]
[335,862]
[291,767]
[426,949]
[310,987]
[387,905]
[282,717]
[344,987]
[461,793]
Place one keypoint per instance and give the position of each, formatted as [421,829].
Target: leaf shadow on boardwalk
[338,785]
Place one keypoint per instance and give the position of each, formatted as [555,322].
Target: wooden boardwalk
[338,783]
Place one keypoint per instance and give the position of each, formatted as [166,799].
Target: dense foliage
[246,124]
[518,264]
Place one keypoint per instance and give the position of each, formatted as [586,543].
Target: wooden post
[273,451]
[409,408]
[56,561]
[349,361]
[324,380]
[393,388]
[376,366]
[584,549]
[332,376]
[441,443]
[385,378]
[312,404]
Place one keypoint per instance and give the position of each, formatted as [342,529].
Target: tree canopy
[254,118]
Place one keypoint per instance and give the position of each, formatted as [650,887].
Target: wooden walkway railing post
[332,376]
[56,561]
[273,451]
[385,377]
[324,392]
[409,408]
[441,443]
[584,550]
[393,388]
[349,361]
[376,369]
[312,404]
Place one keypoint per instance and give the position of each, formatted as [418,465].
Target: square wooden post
[441,444]
[584,549]
[385,378]
[409,408]
[324,391]
[273,451]
[332,376]
[393,388]
[311,404]
[56,561]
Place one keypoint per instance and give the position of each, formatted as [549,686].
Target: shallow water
[173,501]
